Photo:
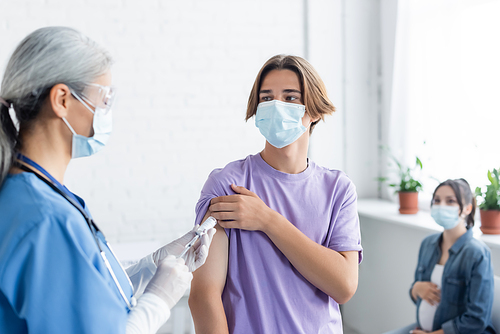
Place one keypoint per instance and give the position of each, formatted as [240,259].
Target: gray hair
[46,57]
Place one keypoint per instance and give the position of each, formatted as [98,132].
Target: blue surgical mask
[85,146]
[280,122]
[446,216]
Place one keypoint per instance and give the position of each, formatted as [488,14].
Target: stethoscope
[70,197]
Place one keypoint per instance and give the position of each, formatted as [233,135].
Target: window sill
[387,211]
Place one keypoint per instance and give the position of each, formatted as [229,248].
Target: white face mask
[280,122]
[446,216]
[102,124]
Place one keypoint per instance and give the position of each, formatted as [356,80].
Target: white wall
[388,20]
[184,70]
[382,301]
[361,88]
[326,55]
[349,61]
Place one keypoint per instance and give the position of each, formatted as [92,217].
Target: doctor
[57,272]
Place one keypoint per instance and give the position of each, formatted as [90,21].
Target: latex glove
[170,281]
[195,257]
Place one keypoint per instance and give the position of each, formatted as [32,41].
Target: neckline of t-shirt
[282,175]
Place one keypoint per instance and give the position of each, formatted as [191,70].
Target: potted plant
[489,204]
[407,187]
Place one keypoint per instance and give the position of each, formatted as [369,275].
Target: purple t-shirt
[264,293]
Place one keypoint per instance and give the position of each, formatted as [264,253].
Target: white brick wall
[184,70]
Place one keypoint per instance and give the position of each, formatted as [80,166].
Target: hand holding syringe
[187,248]
[207,224]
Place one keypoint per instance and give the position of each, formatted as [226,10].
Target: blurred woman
[453,287]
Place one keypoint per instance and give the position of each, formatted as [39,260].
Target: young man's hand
[245,210]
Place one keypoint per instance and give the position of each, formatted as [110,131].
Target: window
[452,94]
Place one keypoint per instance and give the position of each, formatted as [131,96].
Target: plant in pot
[407,186]
[489,204]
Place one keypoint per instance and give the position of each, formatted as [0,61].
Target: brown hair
[464,196]
[312,88]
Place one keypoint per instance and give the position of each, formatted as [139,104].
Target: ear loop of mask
[86,106]
[69,126]
[83,102]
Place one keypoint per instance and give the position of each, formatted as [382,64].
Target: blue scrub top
[52,277]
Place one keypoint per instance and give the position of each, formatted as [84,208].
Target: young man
[290,252]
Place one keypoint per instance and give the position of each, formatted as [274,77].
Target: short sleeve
[57,287]
[345,233]
[212,188]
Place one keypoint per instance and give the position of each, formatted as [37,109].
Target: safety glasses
[98,96]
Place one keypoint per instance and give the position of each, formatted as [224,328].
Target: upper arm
[205,298]
[211,277]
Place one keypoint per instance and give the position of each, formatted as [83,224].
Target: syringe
[202,229]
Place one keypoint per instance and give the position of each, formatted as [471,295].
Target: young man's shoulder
[219,180]
[331,172]
[234,168]
[238,170]
[333,176]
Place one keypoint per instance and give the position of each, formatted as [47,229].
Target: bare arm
[208,283]
[335,273]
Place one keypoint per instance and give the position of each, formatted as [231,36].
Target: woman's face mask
[445,209]
[446,216]
[101,99]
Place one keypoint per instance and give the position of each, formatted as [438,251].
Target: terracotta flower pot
[408,202]
[490,221]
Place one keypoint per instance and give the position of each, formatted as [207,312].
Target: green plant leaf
[419,163]
[497,181]
[492,179]
[407,181]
